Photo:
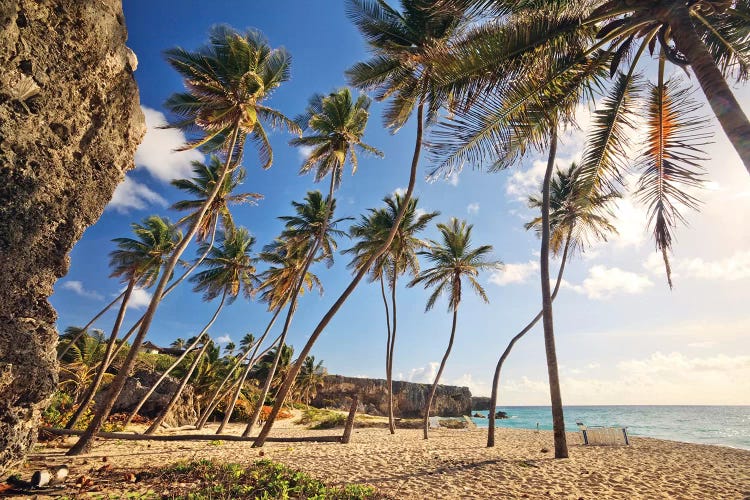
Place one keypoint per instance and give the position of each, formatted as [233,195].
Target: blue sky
[622,335]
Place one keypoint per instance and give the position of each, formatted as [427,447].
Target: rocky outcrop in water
[480,403]
[184,411]
[70,122]
[408,398]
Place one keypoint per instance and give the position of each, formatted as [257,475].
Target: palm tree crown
[575,213]
[227,81]
[141,258]
[230,267]
[403,44]
[200,186]
[280,279]
[336,123]
[453,259]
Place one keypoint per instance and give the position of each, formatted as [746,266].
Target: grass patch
[263,480]
[316,418]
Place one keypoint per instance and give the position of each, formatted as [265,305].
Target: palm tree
[576,219]
[201,186]
[308,236]
[227,83]
[310,378]
[402,44]
[453,260]
[400,258]
[178,343]
[137,262]
[82,331]
[230,271]
[229,349]
[246,344]
[83,353]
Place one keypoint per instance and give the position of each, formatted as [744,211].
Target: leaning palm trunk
[96,383]
[723,103]
[169,289]
[289,315]
[161,379]
[176,396]
[245,373]
[558,420]
[85,441]
[506,353]
[218,399]
[433,389]
[88,325]
[286,387]
[391,427]
[391,348]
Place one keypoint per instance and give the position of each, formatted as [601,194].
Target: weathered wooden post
[350,420]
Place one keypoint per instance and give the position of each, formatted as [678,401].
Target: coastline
[456,463]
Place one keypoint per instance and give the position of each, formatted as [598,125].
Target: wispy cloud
[78,288]
[732,268]
[472,208]
[399,191]
[514,273]
[423,375]
[224,339]
[303,152]
[604,282]
[132,195]
[139,299]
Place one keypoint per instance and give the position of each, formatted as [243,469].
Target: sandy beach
[456,463]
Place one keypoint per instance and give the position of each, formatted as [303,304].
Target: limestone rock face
[408,398]
[183,413]
[480,403]
[70,122]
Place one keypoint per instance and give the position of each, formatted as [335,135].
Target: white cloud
[419,212]
[658,378]
[224,339]
[304,152]
[473,208]
[139,299]
[78,288]
[524,182]
[452,179]
[423,375]
[732,268]
[157,151]
[514,273]
[399,191]
[603,282]
[133,195]
[477,387]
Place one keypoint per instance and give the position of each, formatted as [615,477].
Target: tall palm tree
[402,44]
[227,84]
[137,262]
[452,260]
[334,126]
[230,271]
[229,349]
[503,110]
[308,236]
[178,343]
[401,258]
[577,218]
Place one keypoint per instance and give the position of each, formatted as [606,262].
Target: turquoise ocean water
[721,425]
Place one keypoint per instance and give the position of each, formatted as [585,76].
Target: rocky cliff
[70,122]
[408,398]
[480,403]
[185,411]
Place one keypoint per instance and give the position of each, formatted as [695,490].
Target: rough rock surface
[408,398]
[70,122]
[183,413]
[480,403]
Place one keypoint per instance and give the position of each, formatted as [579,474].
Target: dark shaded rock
[69,126]
[480,403]
[183,413]
[479,415]
[501,414]
[408,398]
